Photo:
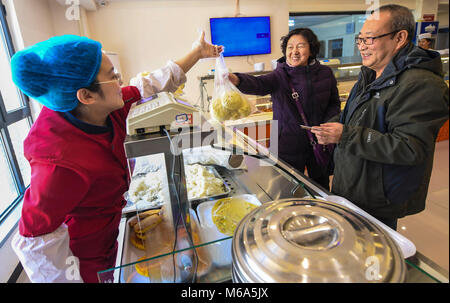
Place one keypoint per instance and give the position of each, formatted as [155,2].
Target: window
[335,31]
[15,122]
[322,49]
[335,48]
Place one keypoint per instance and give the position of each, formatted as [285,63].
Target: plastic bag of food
[228,102]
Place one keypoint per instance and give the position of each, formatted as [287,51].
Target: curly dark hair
[314,44]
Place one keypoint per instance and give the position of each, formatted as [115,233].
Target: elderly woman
[319,98]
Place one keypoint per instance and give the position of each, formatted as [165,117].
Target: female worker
[425,41]
[316,86]
[75,148]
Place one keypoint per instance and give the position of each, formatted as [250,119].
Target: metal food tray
[130,256]
[227,188]
[220,251]
[139,167]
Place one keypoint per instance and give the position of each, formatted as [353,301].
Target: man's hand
[328,133]
[206,49]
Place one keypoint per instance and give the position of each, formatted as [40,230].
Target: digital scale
[148,115]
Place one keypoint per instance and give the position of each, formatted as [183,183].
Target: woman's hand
[328,133]
[233,79]
[206,49]
[200,49]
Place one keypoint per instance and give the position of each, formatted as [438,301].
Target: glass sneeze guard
[184,246]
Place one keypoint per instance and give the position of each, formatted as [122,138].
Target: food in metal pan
[147,188]
[202,183]
[143,223]
[228,212]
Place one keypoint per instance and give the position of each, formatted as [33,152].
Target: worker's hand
[206,49]
[328,133]
[233,79]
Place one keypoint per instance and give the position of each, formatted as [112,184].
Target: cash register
[163,109]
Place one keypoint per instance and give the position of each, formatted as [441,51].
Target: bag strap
[296,98]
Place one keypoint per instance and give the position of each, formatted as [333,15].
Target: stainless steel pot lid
[308,240]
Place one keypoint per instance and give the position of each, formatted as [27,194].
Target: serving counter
[185,245]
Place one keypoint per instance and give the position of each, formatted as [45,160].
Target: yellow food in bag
[219,112]
[232,100]
[230,106]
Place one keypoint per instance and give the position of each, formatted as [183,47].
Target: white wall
[38,20]
[146,34]
[442,17]
[60,24]
[34,19]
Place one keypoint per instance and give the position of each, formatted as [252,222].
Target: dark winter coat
[384,160]
[320,103]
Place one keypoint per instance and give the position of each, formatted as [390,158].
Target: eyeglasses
[117,78]
[369,40]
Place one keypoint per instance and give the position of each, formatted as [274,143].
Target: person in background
[387,131]
[318,92]
[72,209]
[425,41]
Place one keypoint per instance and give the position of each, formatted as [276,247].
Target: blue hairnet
[53,70]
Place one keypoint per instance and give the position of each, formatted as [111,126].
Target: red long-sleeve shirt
[79,179]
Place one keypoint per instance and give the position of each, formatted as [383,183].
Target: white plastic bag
[228,102]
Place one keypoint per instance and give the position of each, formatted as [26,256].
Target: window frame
[334,13]
[8,118]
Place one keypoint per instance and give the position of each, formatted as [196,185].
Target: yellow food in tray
[228,212]
[151,268]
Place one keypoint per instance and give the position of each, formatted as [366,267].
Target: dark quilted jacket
[384,160]
[320,104]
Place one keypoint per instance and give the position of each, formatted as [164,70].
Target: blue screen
[241,36]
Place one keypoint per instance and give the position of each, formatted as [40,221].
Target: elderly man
[386,134]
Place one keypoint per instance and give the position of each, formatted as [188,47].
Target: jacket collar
[389,75]
[86,127]
[312,66]
[410,56]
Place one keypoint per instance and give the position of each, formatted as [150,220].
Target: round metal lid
[308,240]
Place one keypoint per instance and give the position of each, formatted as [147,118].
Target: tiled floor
[429,230]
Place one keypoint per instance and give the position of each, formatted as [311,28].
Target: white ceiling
[92,5]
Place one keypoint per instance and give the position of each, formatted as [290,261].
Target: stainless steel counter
[261,178]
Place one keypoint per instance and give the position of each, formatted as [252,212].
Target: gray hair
[402,18]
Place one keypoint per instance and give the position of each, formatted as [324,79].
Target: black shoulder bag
[323,153]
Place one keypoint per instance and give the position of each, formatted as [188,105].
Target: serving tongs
[234,161]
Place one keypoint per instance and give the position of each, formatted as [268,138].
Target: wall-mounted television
[241,36]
